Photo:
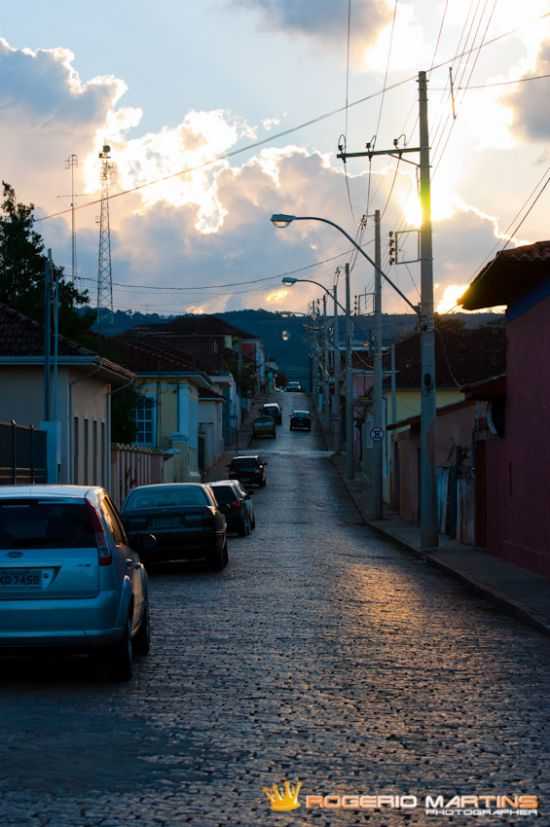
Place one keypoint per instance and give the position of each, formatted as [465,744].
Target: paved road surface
[321,652]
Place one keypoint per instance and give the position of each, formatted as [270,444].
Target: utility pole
[427,493]
[47,336]
[326,374]
[337,365]
[375,442]
[349,380]
[428,505]
[71,163]
[55,297]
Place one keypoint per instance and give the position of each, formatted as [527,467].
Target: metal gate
[23,454]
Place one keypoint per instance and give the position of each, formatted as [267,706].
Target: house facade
[80,410]
[513,447]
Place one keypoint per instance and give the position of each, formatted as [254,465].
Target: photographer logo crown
[283,799]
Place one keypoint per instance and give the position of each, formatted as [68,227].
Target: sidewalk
[523,592]
[218,471]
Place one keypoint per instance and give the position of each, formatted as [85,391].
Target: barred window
[144,415]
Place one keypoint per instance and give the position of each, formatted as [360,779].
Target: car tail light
[236,504]
[105,558]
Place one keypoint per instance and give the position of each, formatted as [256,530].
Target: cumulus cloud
[529,101]
[323,20]
[205,228]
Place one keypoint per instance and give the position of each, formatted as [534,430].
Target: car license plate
[23,579]
[166,522]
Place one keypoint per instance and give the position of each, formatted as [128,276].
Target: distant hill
[292,352]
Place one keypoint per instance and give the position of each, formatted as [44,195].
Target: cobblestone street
[322,653]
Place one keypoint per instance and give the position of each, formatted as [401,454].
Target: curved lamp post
[428,508]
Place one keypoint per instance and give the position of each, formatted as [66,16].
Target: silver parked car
[68,578]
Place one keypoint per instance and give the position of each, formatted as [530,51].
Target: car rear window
[45,524]
[166,498]
[264,420]
[224,494]
[244,463]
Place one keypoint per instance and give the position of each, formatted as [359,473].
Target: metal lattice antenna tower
[104,269]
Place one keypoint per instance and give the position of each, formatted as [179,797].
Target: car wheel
[219,559]
[142,640]
[121,656]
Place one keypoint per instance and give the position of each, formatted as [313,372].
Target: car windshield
[301,414]
[171,497]
[264,420]
[224,494]
[45,524]
[271,408]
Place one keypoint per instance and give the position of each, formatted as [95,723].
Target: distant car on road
[300,421]
[272,409]
[264,425]
[236,504]
[294,387]
[69,579]
[250,470]
[185,519]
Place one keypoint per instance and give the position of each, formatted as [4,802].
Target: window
[112,520]
[76,450]
[166,497]
[45,524]
[145,415]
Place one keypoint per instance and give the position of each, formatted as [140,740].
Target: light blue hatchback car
[68,578]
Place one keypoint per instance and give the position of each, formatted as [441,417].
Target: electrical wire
[388,61]
[226,284]
[346,115]
[504,82]
[284,133]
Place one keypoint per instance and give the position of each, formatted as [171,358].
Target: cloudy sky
[173,86]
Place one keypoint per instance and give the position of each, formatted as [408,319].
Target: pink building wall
[518,466]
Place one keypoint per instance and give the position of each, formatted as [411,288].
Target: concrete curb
[515,607]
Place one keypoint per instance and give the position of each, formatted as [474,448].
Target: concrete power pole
[326,368]
[428,501]
[375,441]
[337,365]
[349,380]
[428,510]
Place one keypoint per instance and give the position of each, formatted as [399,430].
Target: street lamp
[428,505]
[281,221]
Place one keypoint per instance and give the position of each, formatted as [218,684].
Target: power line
[388,60]
[504,82]
[271,138]
[227,284]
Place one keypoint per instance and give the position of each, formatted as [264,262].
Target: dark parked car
[184,518]
[236,504]
[264,426]
[250,470]
[300,421]
[294,387]
[272,409]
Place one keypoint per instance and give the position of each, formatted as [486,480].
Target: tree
[22,262]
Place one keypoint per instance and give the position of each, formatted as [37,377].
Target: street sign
[377,433]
